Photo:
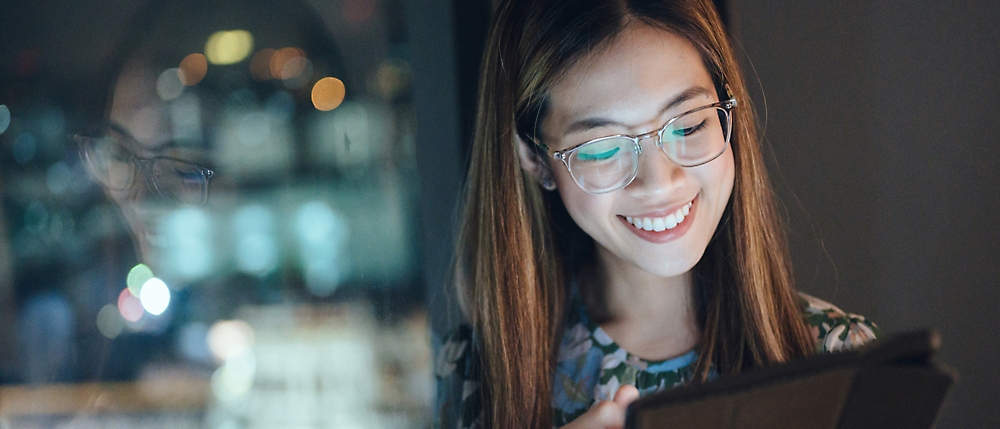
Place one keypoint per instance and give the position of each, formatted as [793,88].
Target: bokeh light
[58,178]
[110,322]
[186,233]
[129,306]
[154,296]
[293,67]
[254,128]
[297,72]
[281,57]
[357,11]
[36,216]
[260,64]
[25,146]
[4,118]
[256,247]
[228,47]
[169,85]
[234,378]
[230,339]
[328,93]
[138,276]
[192,342]
[193,69]
[392,77]
[322,234]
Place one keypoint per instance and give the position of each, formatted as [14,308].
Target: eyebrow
[597,122]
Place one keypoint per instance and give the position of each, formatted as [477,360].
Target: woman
[619,234]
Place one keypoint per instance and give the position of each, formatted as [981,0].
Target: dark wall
[884,124]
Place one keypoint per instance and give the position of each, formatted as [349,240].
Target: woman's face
[147,121]
[635,85]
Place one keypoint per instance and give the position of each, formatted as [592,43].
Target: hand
[607,414]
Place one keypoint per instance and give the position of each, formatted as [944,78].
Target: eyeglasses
[610,163]
[110,163]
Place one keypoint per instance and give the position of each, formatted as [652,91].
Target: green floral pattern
[591,366]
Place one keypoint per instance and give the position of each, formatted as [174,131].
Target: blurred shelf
[169,394]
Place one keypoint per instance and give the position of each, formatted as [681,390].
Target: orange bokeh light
[281,58]
[260,64]
[192,69]
[328,93]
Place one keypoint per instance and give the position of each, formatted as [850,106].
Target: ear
[534,163]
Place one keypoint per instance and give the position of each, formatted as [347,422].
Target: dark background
[881,122]
[884,124]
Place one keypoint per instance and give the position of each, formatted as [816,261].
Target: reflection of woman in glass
[620,236]
[135,182]
[206,96]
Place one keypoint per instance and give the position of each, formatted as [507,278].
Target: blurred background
[230,214]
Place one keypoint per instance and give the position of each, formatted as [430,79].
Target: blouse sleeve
[833,329]
[458,404]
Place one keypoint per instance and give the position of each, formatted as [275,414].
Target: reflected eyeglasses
[115,167]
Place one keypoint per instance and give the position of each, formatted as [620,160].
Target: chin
[671,268]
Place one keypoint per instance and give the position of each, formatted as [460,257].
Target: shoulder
[834,329]
[456,354]
[456,366]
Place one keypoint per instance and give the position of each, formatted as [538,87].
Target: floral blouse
[591,366]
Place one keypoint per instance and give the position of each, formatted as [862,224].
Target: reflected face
[146,173]
[661,223]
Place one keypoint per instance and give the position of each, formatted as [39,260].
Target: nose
[657,175]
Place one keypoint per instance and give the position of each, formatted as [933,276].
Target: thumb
[625,395]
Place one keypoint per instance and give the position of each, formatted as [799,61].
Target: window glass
[208,216]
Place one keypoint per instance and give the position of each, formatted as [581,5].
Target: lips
[661,226]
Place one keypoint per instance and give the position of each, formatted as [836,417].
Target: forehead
[628,81]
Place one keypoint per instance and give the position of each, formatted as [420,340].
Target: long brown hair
[511,268]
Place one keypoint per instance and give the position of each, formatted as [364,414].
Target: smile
[658,224]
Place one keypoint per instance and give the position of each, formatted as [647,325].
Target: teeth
[672,220]
[661,223]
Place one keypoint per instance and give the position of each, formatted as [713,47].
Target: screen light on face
[228,47]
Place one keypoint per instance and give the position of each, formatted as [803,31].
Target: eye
[598,154]
[687,131]
[189,175]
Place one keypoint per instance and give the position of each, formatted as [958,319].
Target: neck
[652,317]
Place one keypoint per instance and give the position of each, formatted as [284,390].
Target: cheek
[588,211]
[719,177]
[728,173]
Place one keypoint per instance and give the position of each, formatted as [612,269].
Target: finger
[608,415]
[625,395]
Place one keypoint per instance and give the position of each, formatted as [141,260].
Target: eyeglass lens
[608,164]
[117,169]
[108,163]
[179,180]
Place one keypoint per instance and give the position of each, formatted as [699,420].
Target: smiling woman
[657,262]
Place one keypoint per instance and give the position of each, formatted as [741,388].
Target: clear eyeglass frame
[184,181]
[565,155]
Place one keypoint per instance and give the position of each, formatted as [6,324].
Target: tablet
[889,383]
